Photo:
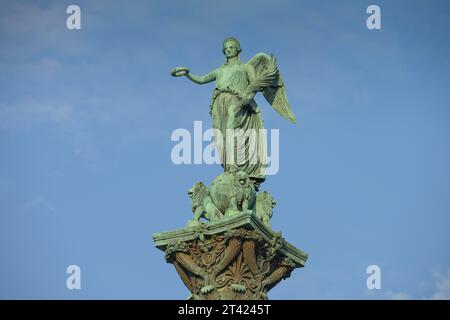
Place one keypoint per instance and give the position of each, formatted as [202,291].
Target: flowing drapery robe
[239,134]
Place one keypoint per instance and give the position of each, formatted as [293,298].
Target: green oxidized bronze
[228,250]
[233,106]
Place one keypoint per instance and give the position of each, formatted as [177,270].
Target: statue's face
[230,49]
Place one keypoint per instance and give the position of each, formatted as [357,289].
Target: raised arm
[207,78]
[183,71]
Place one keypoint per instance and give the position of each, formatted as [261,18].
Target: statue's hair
[236,41]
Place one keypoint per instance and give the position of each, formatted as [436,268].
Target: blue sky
[86,118]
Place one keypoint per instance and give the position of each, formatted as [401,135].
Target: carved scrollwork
[179,246]
[238,264]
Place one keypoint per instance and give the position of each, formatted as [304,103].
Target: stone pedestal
[235,258]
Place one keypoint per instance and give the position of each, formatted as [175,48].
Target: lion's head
[264,204]
[197,193]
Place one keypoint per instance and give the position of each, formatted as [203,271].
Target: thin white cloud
[82,142]
[45,65]
[74,130]
[26,114]
[442,291]
[398,295]
[38,202]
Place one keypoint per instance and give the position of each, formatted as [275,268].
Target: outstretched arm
[183,71]
[207,78]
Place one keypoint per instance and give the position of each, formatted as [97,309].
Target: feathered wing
[269,81]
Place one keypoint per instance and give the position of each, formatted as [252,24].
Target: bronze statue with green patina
[233,109]
[234,254]
[233,106]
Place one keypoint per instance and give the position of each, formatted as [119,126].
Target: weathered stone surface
[234,258]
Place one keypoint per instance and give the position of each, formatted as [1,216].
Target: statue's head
[231,47]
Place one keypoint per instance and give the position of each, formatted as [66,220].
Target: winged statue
[239,134]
